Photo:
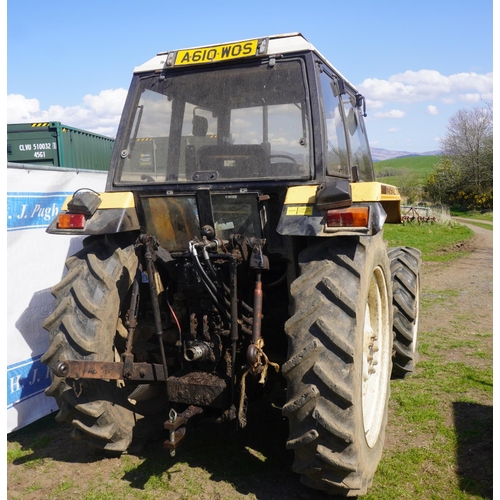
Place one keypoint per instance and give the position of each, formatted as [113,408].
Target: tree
[464,176]
[443,185]
[409,185]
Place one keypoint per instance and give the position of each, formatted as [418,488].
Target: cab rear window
[241,122]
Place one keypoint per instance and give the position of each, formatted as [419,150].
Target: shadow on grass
[474,430]
[253,460]
[46,438]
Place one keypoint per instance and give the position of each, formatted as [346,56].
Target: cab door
[346,147]
[359,148]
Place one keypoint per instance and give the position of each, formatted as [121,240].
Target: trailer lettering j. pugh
[32,210]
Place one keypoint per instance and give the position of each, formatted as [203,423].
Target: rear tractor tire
[339,365]
[83,326]
[405,270]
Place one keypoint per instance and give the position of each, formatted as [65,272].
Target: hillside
[379,154]
[416,167]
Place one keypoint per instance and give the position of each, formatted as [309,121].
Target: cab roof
[264,46]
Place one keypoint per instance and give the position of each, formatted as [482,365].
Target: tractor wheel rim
[376,357]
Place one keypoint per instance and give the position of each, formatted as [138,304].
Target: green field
[418,167]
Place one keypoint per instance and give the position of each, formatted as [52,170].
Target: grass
[489,227]
[16,453]
[437,418]
[475,216]
[438,242]
[488,216]
[419,166]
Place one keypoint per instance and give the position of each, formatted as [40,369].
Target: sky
[416,62]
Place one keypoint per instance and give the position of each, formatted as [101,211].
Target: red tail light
[348,217]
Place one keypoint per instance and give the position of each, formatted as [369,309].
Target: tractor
[238,246]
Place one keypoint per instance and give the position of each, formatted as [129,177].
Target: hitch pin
[172,417]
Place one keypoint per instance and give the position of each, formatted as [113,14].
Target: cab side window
[358,141]
[337,163]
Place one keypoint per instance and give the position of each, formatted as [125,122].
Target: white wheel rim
[376,357]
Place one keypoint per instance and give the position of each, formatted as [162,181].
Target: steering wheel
[288,157]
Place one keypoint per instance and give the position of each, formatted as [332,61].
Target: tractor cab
[262,110]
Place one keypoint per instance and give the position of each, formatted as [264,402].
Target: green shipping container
[51,143]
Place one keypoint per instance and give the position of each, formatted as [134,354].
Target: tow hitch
[176,425]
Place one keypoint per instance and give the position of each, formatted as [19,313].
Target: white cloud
[96,113]
[20,109]
[473,98]
[394,113]
[107,102]
[374,104]
[422,85]
[432,110]
[393,130]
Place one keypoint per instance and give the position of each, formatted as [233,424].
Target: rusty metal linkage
[201,388]
[131,322]
[252,351]
[143,372]
[155,287]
